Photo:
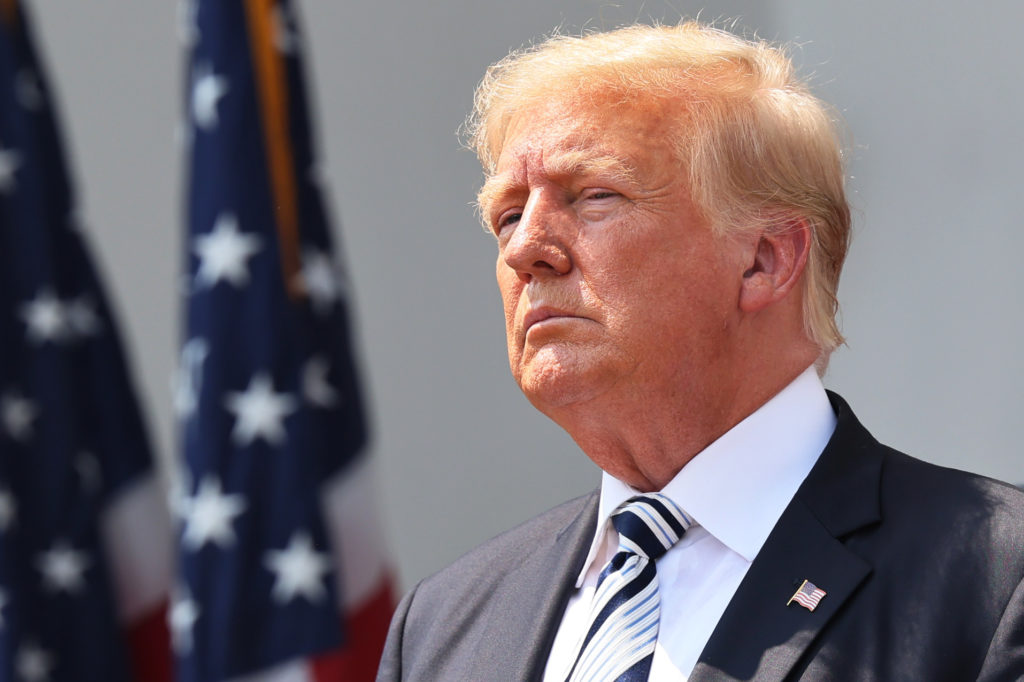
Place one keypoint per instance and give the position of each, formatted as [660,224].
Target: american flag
[807,596]
[281,562]
[85,541]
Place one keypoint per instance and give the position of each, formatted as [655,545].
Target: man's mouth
[542,313]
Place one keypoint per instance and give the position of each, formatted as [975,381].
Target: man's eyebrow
[493,187]
[566,164]
[586,162]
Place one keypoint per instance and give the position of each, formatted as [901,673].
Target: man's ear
[778,261]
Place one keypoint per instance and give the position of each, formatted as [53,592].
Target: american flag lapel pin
[807,595]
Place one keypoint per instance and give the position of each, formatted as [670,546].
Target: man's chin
[554,386]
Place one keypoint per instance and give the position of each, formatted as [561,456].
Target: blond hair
[761,152]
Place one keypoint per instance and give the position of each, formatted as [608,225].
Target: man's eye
[510,218]
[599,194]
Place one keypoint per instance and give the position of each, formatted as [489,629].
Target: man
[669,210]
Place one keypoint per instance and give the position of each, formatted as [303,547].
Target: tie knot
[649,524]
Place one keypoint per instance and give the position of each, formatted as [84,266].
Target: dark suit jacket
[922,566]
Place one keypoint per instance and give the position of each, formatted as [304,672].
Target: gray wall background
[931,92]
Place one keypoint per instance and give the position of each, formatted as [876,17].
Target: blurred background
[931,96]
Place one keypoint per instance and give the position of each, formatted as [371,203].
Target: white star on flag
[8,509]
[259,411]
[182,618]
[10,161]
[319,279]
[82,319]
[33,664]
[316,389]
[45,318]
[224,251]
[298,570]
[62,568]
[27,90]
[207,90]
[17,414]
[209,515]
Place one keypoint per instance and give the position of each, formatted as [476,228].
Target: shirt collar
[739,485]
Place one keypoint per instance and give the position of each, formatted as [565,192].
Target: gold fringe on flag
[272,87]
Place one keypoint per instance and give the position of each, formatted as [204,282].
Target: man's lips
[538,315]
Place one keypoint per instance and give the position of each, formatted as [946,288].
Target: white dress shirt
[735,490]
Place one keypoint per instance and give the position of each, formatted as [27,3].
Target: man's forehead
[569,147]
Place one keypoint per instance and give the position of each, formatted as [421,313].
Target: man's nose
[541,240]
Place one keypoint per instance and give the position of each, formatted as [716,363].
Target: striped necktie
[619,644]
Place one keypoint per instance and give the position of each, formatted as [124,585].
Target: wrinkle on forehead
[561,165]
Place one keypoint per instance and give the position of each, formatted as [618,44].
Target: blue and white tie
[619,644]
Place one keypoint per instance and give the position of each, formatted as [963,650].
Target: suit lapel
[759,636]
[525,615]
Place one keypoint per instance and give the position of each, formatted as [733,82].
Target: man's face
[614,287]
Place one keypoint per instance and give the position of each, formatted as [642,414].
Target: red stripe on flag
[149,645]
[366,628]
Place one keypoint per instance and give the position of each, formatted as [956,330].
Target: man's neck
[646,440]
